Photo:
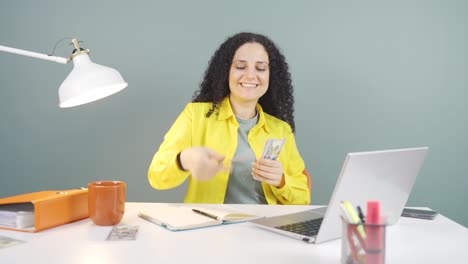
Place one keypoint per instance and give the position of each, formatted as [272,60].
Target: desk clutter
[408,241]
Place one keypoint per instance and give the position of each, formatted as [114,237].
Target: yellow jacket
[219,132]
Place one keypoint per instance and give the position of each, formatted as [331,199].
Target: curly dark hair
[278,101]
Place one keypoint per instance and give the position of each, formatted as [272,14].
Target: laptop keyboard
[307,228]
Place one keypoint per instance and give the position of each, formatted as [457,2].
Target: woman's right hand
[204,163]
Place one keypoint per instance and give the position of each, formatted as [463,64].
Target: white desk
[410,241]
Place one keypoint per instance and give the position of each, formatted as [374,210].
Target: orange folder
[50,208]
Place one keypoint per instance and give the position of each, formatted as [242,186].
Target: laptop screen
[387,176]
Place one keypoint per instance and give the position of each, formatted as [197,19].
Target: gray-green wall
[368,75]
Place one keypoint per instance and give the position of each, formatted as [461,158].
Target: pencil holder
[362,243]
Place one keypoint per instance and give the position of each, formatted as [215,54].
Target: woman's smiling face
[249,74]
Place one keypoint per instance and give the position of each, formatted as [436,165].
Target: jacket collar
[225,112]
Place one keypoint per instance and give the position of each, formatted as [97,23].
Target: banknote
[8,242]
[123,232]
[272,148]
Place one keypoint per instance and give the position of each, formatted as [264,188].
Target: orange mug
[106,202]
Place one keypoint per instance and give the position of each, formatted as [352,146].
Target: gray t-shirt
[242,188]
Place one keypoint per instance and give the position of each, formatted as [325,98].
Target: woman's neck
[244,110]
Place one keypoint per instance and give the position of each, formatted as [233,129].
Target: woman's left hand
[268,171]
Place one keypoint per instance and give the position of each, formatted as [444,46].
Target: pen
[205,214]
[354,217]
[361,215]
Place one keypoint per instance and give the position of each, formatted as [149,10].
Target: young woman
[245,99]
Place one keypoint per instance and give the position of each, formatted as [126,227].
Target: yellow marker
[353,216]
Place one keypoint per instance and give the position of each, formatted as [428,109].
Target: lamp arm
[34,54]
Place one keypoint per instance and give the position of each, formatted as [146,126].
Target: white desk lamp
[87,82]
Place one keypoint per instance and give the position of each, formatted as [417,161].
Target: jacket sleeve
[163,172]
[295,189]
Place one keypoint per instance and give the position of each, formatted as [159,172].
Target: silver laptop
[387,176]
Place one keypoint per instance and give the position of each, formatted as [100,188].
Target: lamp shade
[88,82]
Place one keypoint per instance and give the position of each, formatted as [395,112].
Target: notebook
[185,217]
[386,175]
